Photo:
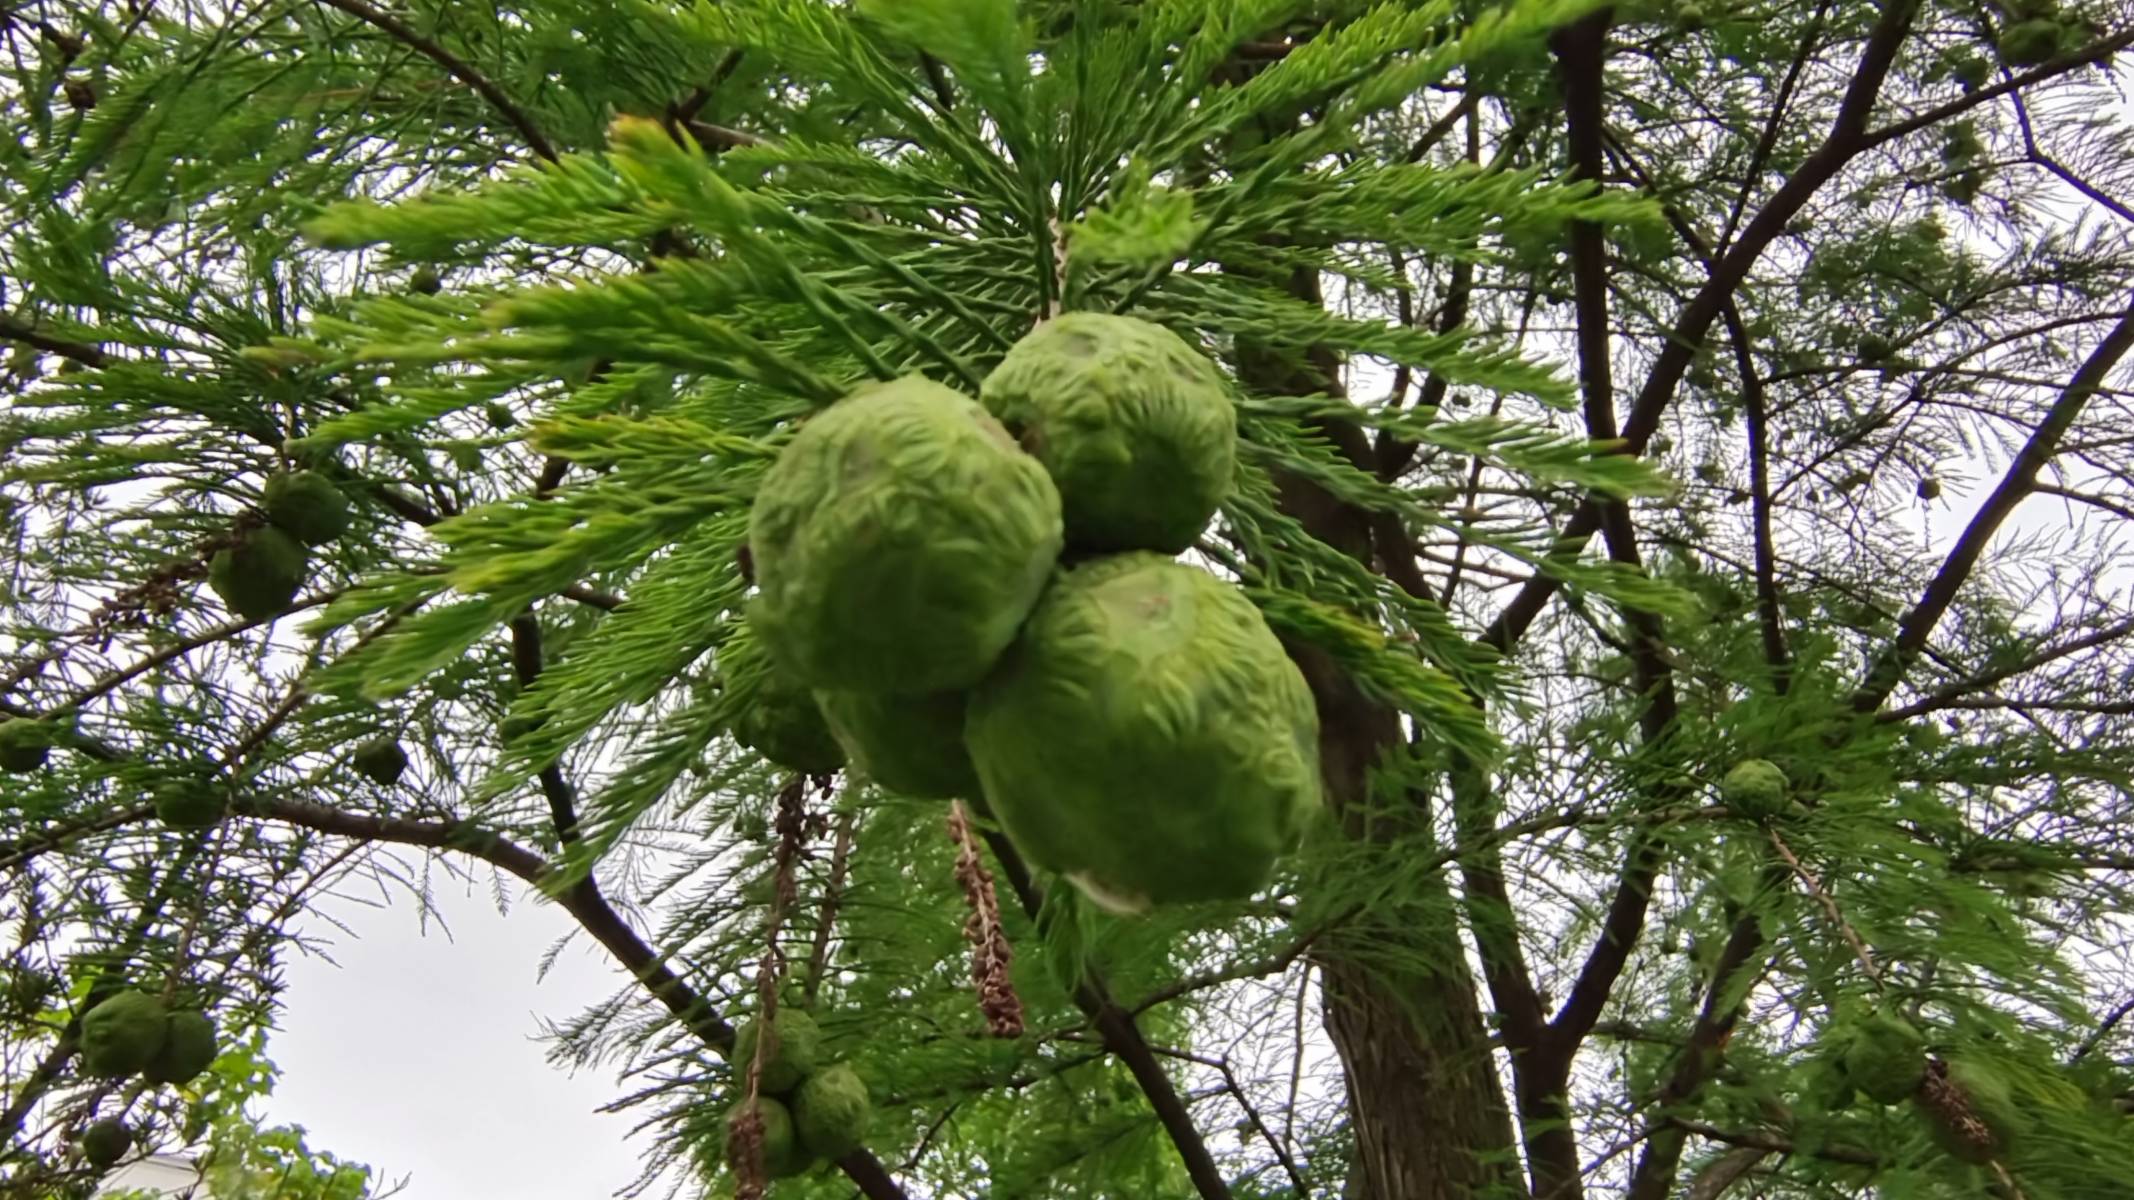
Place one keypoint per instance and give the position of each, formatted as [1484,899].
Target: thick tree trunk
[1425,1103]
[1429,1119]
[1399,1002]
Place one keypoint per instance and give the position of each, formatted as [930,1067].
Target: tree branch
[592,913]
[1847,139]
[1956,692]
[1769,617]
[1722,1173]
[1770,1144]
[2059,170]
[2016,483]
[1579,50]
[1655,1172]
[2096,52]
[455,66]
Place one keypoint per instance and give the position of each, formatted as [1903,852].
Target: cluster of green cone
[258,573]
[131,1034]
[980,600]
[812,1111]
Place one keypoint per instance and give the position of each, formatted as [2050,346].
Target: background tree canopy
[1624,393]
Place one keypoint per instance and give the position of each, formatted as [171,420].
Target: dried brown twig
[991,954]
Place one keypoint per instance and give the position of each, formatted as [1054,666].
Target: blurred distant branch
[81,352]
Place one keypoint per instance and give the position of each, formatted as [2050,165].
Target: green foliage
[2028,43]
[1885,1058]
[1141,225]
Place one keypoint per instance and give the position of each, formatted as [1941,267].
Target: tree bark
[1427,1110]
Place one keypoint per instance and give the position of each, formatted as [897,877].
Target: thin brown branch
[693,103]
[1252,1115]
[1837,920]
[1770,617]
[1775,123]
[2059,170]
[1441,127]
[832,898]
[1957,692]
[2104,1030]
[1772,1144]
[81,352]
[1543,1080]
[526,662]
[1653,1178]
[1720,1175]
[2096,52]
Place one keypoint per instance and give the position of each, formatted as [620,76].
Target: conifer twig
[80,352]
[1830,910]
[1122,1038]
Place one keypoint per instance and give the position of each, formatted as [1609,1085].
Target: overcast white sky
[420,1054]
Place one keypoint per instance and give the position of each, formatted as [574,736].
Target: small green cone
[106,1142]
[122,1035]
[188,1048]
[380,760]
[25,745]
[188,804]
[790,1057]
[306,506]
[259,576]
[830,1112]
